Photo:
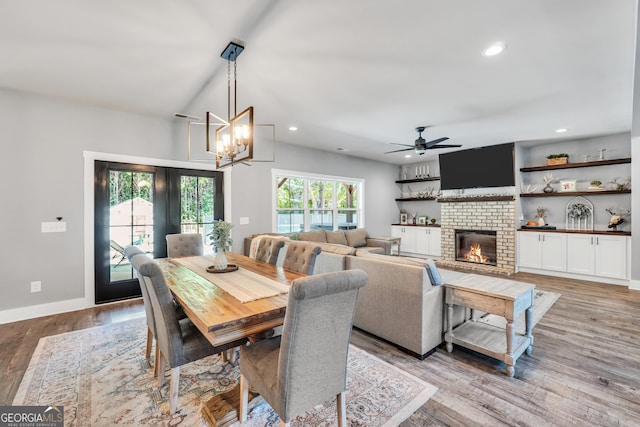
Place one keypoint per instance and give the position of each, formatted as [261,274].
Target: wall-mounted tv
[481,167]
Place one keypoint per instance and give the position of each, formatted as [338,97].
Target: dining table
[226,306]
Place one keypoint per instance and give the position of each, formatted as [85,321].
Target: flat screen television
[481,167]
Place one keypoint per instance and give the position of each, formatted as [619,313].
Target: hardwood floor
[584,370]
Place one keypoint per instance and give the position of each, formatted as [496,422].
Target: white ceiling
[357,74]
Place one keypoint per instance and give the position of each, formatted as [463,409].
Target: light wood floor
[584,370]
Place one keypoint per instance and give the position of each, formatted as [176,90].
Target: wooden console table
[502,297]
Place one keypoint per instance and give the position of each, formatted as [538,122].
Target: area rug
[101,378]
[542,302]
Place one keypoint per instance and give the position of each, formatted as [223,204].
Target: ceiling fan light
[495,49]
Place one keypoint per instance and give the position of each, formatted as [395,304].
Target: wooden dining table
[221,317]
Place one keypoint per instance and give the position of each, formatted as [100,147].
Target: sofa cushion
[434,274]
[419,262]
[337,249]
[357,238]
[313,236]
[336,237]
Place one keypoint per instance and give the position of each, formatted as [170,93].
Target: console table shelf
[577,165]
[575,193]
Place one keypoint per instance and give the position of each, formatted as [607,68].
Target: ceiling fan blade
[446,146]
[396,151]
[435,141]
[404,145]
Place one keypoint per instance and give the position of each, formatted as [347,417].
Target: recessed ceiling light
[562,130]
[407,155]
[293,128]
[494,49]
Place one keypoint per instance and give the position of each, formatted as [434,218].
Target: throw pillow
[336,237]
[357,238]
[313,236]
[434,274]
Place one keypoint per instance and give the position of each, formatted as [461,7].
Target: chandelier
[230,140]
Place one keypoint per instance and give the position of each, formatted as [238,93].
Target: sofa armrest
[379,243]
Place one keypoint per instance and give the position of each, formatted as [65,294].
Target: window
[197,195]
[306,203]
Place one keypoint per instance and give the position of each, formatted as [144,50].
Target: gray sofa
[399,303]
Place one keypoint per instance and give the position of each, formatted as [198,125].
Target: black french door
[139,205]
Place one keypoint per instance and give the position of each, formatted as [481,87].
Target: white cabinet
[428,241]
[597,254]
[418,239]
[408,235]
[546,251]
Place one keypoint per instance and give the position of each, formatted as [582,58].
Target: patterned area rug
[102,379]
[542,302]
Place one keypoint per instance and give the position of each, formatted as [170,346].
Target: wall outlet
[36,286]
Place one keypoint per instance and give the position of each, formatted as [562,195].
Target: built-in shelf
[414,199]
[475,199]
[409,181]
[577,165]
[575,193]
[601,232]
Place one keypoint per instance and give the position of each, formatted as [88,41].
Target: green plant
[557,156]
[221,234]
[596,182]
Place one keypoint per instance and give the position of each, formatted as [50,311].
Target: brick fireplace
[483,216]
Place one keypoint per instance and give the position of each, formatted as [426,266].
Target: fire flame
[475,254]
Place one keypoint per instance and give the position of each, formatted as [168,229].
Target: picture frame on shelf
[403,218]
[422,220]
[568,185]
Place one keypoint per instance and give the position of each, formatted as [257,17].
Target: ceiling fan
[421,145]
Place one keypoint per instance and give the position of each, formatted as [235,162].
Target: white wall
[41,174]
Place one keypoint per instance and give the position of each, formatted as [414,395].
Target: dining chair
[307,364]
[184,244]
[179,341]
[301,257]
[268,249]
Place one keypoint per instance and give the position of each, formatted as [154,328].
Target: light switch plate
[244,220]
[53,227]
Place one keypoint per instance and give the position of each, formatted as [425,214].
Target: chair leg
[157,361]
[225,357]
[174,389]
[160,364]
[283,424]
[147,353]
[342,409]
[244,398]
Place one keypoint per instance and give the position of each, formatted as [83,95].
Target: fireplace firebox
[476,246]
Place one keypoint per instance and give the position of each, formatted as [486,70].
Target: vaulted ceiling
[356,75]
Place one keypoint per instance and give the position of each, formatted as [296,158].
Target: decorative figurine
[616,219]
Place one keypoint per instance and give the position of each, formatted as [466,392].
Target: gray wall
[41,173]
[251,188]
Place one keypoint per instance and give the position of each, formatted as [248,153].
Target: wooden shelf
[414,199]
[409,181]
[577,165]
[575,193]
[475,199]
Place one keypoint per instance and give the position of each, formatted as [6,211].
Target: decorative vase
[220,260]
[541,221]
[548,188]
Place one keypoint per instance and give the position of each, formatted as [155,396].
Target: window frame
[306,177]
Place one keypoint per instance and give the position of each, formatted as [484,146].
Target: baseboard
[634,285]
[604,280]
[31,312]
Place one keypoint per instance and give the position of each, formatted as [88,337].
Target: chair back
[130,252]
[268,249]
[185,244]
[312,364]
[168,333]
[301,257]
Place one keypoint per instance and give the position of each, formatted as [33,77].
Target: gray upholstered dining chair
[301,257]
[179,341]
[184,244]
[268,249]
[307,364]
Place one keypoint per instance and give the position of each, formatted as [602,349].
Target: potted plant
[557,159]
[595,185]
[221,239]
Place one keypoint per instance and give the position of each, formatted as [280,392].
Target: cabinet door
[422,241]
[554,251]
[529,253]
[435,242]
[611,256]
[580,253]
[409,239]
[396,231]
